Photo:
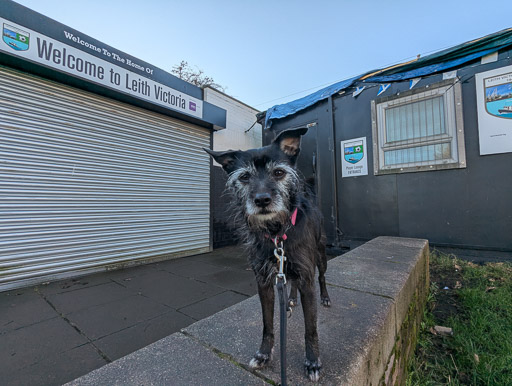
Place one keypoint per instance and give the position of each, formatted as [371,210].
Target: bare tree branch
[195,76]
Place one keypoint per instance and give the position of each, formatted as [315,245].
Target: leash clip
[281,258]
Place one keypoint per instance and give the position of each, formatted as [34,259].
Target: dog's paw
[326,301]
[292,302]
[259,360]
[312,369]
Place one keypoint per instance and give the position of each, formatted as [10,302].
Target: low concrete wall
[378,292]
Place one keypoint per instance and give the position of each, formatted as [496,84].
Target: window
[419,130]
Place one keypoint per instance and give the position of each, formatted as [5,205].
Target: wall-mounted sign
[494,104]
[30,45]
[354,157]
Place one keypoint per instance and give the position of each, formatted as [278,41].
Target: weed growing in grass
[477,305]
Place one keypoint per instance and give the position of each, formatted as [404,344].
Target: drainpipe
[333,148]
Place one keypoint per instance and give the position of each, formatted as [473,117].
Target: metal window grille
[419,130]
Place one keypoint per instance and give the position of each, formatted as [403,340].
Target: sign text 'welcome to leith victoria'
[28,44]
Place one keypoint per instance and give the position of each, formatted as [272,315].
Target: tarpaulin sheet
[464,52]
[281,111]
[427,70]
[431,64]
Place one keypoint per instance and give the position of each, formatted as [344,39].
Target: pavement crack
[228,288]
[75,327]
[358,290]
[229,358]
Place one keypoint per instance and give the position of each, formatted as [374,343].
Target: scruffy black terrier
[270,200]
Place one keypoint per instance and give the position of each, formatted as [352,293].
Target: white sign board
[25,43]
[354,157]
[494,104]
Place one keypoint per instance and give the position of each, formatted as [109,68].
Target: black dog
[269,201]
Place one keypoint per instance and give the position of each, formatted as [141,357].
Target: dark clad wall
[469,207]
[318,147]
[223,229]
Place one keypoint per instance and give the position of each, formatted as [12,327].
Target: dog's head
[264,181]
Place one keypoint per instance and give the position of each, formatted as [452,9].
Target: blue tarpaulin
[281,111]
[427,70]
[431,64]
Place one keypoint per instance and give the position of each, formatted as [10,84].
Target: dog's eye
[244,177]
[279,173]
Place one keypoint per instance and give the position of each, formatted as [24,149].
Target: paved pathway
[51,334]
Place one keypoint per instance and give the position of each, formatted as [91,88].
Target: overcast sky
[271,52]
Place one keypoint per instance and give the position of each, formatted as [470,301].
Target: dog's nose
[262,199]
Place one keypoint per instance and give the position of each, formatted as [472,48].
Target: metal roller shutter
[88,183]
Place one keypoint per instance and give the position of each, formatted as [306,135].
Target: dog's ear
[288,141]
[225,158]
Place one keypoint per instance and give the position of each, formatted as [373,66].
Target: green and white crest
[15,38]
[353,151]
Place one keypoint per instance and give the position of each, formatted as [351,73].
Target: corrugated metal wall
[87,182]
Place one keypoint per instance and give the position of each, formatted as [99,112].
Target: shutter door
[88,183]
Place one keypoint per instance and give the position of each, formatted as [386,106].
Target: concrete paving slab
[17,292]
[22,308]
[212,305]
[95,279]
[369,289]
[133,338]
[347,331]
[122,274]
[386,266]
[175,360]
[70,364]
[377,277]
[73,284]
[398,242]
[29,345]
[234,257]
[163,264]
[99,321]
[169,289]
[192,269]
[391,249]
[83,298]
[116,327]
[373,276]
[240,281]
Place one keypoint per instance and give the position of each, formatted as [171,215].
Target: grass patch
[477,305]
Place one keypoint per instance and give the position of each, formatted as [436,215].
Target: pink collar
[293,219]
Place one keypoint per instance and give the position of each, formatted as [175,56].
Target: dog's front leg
[312,363]
[264,354]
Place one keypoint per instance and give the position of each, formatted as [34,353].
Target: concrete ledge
[378,292]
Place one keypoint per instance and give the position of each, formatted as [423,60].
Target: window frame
[450,91]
